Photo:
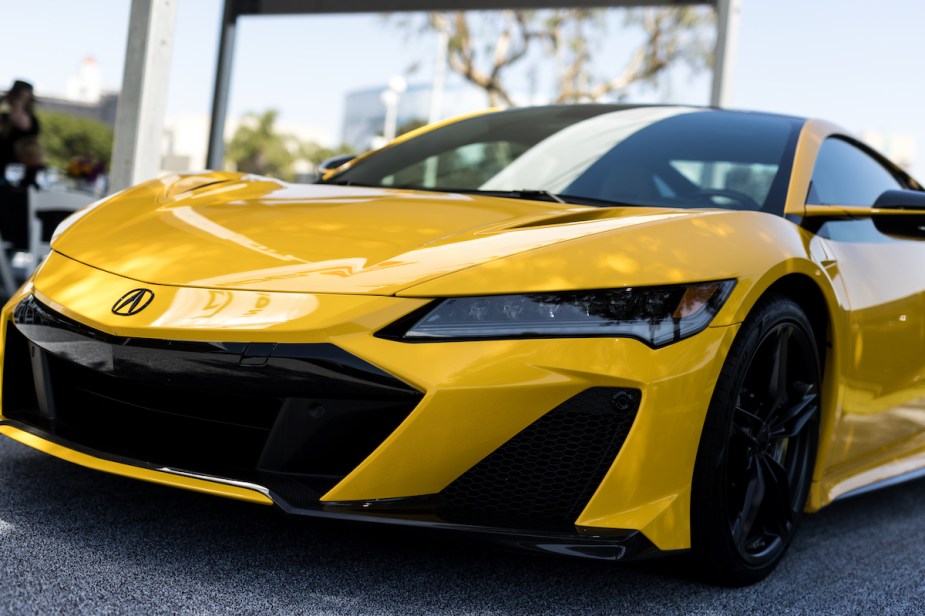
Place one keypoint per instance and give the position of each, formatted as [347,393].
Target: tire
[758,447]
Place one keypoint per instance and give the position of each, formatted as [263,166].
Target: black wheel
[758,447]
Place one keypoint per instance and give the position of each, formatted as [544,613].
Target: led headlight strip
[655,315]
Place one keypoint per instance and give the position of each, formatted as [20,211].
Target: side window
[847,175]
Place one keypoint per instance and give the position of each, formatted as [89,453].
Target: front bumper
[596,544]
[462,403]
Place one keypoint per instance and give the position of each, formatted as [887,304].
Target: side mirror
[334,162]
[901,200]
[900,213]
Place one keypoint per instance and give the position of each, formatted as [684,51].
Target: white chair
[49,201]
[6,271]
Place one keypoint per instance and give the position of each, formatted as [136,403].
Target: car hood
[246,232]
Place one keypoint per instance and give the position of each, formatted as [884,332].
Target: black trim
[583,542]
[296,369]
[396,331]
[913,200]
[295,417]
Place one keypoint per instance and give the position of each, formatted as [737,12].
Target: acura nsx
[599,330]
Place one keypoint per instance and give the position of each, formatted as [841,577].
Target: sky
[858,63]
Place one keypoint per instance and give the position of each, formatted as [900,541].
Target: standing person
[17,121]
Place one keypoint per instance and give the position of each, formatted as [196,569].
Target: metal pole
[436,92]
[216,154]
[390,100]
[727,33]
[136,153]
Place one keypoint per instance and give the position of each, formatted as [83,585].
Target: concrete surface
[79,541]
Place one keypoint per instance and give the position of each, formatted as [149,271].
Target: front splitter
[584,542]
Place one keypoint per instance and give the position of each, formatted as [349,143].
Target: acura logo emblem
[133,302]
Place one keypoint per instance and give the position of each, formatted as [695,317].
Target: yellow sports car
[597,330]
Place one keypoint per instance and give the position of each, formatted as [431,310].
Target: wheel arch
[807,294]
[823,313]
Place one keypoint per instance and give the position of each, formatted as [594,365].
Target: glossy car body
[238,264]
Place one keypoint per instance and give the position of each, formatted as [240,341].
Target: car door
[883,276]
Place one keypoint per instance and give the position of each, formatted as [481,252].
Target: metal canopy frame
[727,18]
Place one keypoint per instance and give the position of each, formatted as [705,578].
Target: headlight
[655,315]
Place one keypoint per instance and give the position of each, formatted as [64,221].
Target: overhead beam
[222,87]
[295,7]
[239,8]
[136,152]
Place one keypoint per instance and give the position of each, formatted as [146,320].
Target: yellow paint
[251,259]
[134,472]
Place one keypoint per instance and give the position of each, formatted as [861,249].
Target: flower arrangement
[84,169]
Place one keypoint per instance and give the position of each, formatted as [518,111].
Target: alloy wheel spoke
[790,423]
[746,425]
[777,387]
[778,488]
[751,505]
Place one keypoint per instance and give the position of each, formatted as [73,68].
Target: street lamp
[390,98]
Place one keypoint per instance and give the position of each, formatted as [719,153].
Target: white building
[87,85]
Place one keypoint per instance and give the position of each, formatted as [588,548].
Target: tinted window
[655,156]
[752,179]
[472,164]
[701,159]
[846,175]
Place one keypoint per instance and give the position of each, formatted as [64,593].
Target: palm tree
[257,148]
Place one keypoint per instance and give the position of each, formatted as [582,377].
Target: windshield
[654,156]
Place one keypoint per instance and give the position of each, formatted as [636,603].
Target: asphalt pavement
[77,541]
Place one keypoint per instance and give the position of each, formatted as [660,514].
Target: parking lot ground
[74,540]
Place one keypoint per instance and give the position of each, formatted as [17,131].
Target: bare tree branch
[671,36]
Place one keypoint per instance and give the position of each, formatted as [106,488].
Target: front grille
[212,432]
[545,475]
[294,417]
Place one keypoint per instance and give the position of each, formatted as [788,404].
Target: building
[104,110]
[84,96]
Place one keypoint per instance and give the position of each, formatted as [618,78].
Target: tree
[66,137]
[257,147]
[483,47]
[315,153]
[410,125]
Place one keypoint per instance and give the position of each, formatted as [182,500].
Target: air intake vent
[547,473]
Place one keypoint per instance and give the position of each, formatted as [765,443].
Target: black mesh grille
[547,473]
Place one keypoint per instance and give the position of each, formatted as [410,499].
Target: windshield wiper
[582,200]
[528,193]
[546,195]
[524,193]
[350,183]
